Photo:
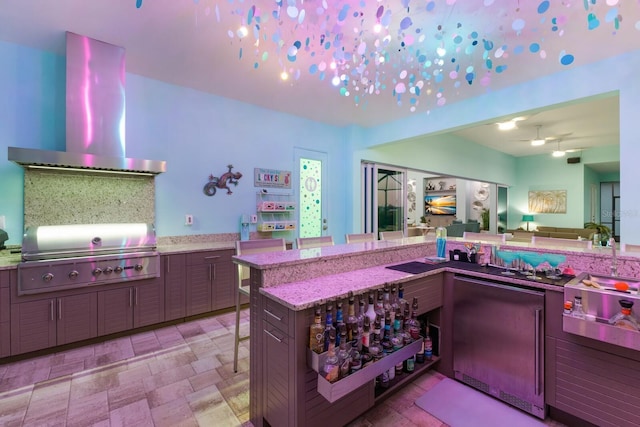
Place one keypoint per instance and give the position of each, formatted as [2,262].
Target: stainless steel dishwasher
[498,341]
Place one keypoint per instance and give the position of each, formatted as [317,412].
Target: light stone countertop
[308,293]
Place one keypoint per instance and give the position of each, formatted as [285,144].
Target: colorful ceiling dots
[417,52]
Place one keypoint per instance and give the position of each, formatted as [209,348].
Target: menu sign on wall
[271,178]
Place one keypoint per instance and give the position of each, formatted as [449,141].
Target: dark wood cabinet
[589,379]
[131,306]
[39,324]
[5,306]
[210,281]
[174,272]
[283,385]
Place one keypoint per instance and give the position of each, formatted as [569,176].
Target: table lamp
[527,219]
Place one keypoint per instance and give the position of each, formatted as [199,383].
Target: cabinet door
[198,292]
[77,318]
[5,314]
[174,267]
[34,325]
[277,383]
[115,310]
[148,306]
[224,285]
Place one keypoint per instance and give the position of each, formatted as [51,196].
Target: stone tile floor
[179,375]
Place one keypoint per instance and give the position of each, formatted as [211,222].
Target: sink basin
[609,283]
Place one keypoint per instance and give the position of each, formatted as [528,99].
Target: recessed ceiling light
[506,125]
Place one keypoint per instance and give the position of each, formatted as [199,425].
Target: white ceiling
[195,43]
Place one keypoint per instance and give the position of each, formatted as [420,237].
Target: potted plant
[485,215]
[602,232]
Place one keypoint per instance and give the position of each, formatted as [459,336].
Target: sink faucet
[614,259]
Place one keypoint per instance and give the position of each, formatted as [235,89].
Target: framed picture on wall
[548,201]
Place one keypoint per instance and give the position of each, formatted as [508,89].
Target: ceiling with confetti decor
[342,62]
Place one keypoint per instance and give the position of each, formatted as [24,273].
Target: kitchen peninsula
[286,286]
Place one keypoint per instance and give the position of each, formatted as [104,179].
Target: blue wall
[199,134]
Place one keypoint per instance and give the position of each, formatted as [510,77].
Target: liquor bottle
[371,309]
[316,333]
[625,319]
[413,326]
[361,315]
[356,357]
[387,304]
[380,309]
[394,302]
[375,349]
[398,333]
[344,355]
[328,326]
[331,368]
[401,301]
[366,335]
[428,345]
[352,320]
[387,345]
[339,322]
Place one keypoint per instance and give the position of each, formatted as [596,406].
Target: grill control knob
[108,270]
[73,274]
[138,267]
[118,269]
[47,277]
[96,272]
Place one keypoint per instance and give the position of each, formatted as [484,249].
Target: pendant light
[558,152]
[538,141]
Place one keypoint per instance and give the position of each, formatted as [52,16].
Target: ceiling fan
[560,153]
[538,140]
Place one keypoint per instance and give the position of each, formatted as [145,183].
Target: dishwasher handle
[500,285]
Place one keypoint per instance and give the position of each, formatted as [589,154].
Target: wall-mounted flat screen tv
[440,205]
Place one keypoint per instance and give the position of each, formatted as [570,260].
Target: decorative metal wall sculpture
[222,182]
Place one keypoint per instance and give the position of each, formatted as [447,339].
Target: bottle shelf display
[349,353]
[336,390]
[275,212]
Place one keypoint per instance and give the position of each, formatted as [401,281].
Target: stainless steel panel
[498,341]
[59,241]
[95,97]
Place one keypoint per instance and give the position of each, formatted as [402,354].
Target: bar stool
[361,237]
[391,235]
[249,247]
[313,242]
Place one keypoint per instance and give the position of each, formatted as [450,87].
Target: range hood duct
[95,114]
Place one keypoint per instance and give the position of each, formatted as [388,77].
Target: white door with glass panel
[311,192]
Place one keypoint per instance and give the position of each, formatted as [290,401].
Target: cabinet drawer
[428,290]
[209,257]
[277,315]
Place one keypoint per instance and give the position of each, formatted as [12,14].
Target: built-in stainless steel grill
[61,257]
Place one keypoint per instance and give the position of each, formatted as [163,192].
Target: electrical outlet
[254,218]
[3,223]
[188,219]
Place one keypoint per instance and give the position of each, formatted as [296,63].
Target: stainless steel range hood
[95,114]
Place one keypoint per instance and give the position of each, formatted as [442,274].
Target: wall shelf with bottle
[276,212]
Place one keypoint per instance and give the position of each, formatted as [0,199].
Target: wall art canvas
[548,201]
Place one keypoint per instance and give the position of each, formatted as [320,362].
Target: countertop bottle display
[316,333]
[625,319]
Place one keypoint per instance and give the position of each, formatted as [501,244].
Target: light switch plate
[254,218]
[188,219]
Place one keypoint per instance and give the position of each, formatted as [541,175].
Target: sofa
[457,228]
[557,232]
